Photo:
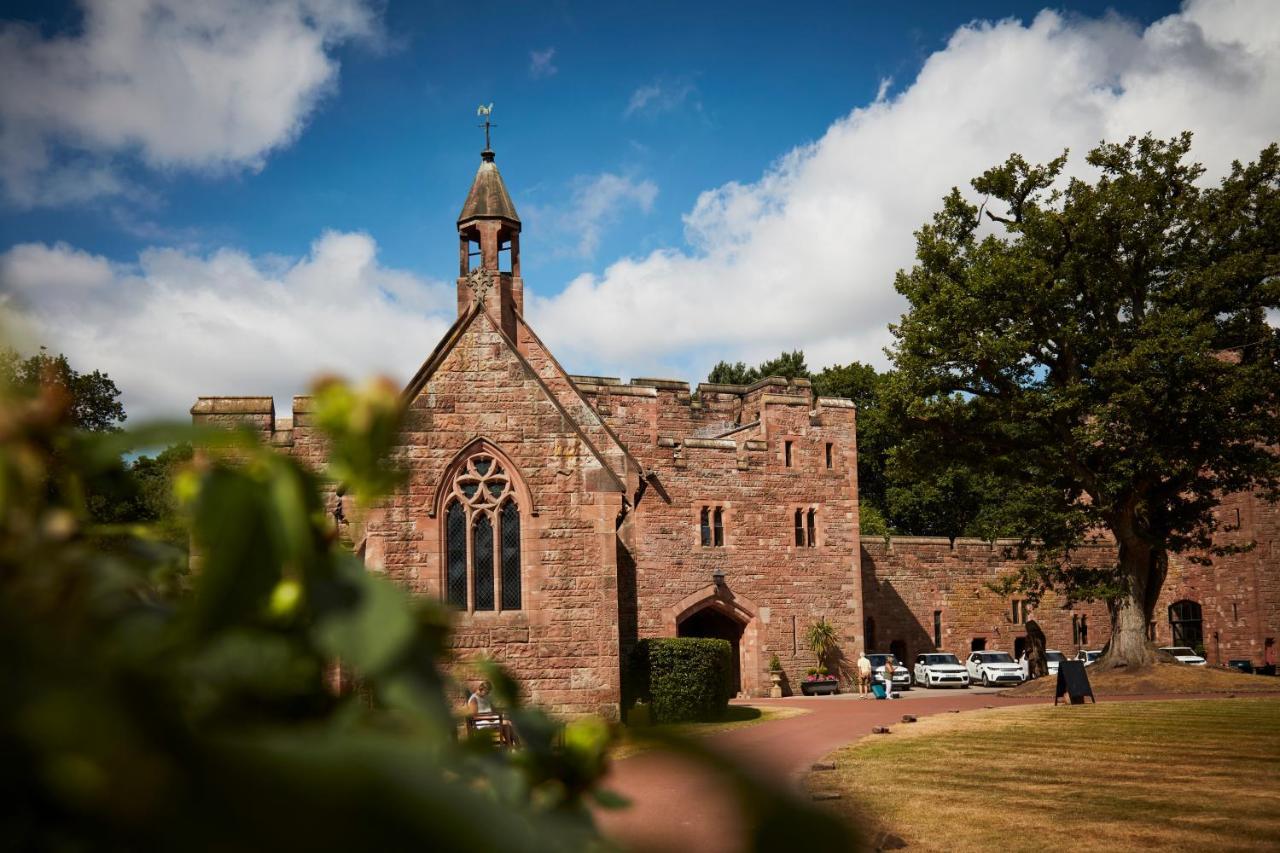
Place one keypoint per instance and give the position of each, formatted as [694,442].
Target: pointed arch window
[482,539]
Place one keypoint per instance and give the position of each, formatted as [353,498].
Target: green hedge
[683,679]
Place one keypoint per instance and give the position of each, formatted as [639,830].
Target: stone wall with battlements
[907,580]
[725,447]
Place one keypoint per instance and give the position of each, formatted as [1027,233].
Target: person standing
[888,677]
[864,674]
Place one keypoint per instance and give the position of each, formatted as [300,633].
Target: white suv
[901,675]
[938,669]
[994,668]
[1185,655]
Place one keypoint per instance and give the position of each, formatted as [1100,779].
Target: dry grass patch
[1160,678]
[1175,775]
[739,716]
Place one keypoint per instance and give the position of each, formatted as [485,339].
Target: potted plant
[775,675]
[823,641]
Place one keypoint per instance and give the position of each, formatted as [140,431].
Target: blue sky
[614,121]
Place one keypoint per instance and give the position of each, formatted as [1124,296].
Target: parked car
[1089,657]
[1185,655]
[994,668]
[1053,657]
[901,676]
[938,669]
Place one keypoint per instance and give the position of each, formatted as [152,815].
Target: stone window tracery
[482,538]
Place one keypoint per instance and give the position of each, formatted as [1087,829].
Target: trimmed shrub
[684,679]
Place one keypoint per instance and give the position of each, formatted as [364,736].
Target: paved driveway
[677,806]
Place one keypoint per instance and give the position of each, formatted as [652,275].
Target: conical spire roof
[488,198]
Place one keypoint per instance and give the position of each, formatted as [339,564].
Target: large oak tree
[1106,343]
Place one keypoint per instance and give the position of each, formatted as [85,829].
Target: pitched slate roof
[488,198]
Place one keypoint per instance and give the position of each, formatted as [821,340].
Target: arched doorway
[1185,620]
[898,649]
[978,644]
[712,623]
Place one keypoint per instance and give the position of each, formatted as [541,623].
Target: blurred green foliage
[140,713]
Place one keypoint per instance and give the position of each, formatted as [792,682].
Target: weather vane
[482,110]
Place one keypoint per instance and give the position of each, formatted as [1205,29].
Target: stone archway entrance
[717,611]
[712,623]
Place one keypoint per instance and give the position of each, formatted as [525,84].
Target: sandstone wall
[562,646]
[697,457]
[906,580]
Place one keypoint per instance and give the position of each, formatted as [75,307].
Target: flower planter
[820,687]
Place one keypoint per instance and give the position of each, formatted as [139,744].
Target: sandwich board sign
[1073,681]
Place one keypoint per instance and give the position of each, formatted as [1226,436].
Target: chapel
[564,516]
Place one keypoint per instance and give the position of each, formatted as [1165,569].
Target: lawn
[739,716]
[1160,678]
[1172,775]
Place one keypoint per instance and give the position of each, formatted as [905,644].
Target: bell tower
[489,244]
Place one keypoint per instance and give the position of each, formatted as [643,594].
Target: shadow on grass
[741,714]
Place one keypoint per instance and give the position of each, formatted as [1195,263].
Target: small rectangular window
[812,537]
[718,529]
[937,629]
[1235,612]
[1019,612]
[786,453]
[799,528]
[829,455]
[1084,630]
[1075,630]
[706,527]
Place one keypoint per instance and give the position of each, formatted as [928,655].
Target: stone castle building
[565,516]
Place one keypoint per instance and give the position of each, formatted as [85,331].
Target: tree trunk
[1037,667]
[1143,567]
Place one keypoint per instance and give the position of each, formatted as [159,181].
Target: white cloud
[176,325]
[660,96]
[541,63]
[179,83]
[805,256]
[597,202]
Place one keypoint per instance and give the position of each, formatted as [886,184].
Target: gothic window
[482,539]
[799,528]
[786,453]
[717,528]
[812,530]
[1185,620]
[829,455]
[706,527]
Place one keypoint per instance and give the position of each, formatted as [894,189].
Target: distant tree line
[899,493]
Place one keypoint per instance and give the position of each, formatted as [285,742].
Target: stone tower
[489,249]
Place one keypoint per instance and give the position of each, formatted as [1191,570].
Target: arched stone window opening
[482,538]
[1186,622]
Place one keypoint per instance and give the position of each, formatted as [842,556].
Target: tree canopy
[95,399]
[1104,345]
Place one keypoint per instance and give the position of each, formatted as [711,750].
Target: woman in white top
[479,702]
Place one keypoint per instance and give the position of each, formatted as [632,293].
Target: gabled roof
[450,340]
[488,198]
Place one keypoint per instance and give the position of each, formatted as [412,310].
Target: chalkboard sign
[1074,682]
